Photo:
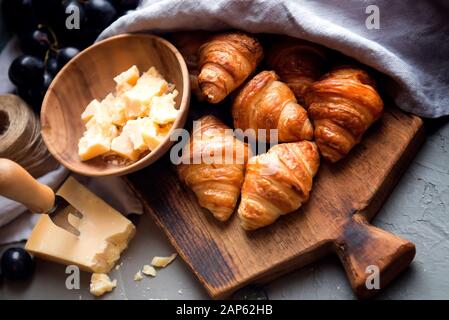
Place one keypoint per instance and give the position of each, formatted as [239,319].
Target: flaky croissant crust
[225,62]
[216,185]
[188,44]
[298,62]
[343,104]
[267,103]
[277,182]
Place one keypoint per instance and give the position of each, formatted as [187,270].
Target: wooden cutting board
[345,196]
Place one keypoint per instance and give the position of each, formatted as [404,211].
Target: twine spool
[20,137]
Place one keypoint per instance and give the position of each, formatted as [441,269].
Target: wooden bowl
[90,76]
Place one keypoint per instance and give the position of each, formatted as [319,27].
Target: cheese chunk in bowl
[131,121]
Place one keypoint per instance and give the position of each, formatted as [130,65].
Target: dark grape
[51,65]
[35,95]
[17,264]
[26,70]
[65,55]
[100,14]
[48,78]
[19,15]
[32,96]
[35,42]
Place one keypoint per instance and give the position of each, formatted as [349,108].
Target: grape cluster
[46,41]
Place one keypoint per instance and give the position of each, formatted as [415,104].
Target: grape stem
[54,44]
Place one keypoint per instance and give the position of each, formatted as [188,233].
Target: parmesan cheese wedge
[104,233]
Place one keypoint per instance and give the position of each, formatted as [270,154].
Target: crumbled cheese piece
[100,283]
[91,108]
[163,109]
[138,276]
[123,146]
[162,262]
[133,129]
[127,79]
[152,134]
[149,270]
[139,97]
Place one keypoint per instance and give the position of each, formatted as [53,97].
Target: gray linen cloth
[411,45]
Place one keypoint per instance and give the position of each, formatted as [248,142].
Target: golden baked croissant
[226,60]
[188,44]
[216,182]
[342,105]
[267,103]
[298,63]
[277,182]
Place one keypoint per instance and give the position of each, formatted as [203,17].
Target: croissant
[188,44]
[298,63]
[216,182]
[267,103]
[225,62]
[343,104]
[277,182]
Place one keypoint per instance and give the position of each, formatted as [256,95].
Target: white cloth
[8,54]
[411,46]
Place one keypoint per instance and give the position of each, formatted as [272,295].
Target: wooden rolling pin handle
[18,185]
[366,251]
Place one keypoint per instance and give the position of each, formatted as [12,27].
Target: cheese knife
[18,185]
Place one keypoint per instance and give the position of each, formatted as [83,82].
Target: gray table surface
[416,210]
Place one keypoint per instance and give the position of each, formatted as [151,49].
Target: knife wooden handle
[18,185]
[366,251]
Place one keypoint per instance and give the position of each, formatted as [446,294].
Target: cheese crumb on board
[132,121]
[138,276]
[149,270]
[162,262]
[104,233]
[100,283]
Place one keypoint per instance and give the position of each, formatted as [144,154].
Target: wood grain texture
[346,195]
[90,76]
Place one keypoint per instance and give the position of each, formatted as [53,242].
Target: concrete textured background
[417,210]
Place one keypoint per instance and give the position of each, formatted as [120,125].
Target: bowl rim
[166,143]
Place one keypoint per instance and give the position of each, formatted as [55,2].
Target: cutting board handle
[367,251]
[18,185]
